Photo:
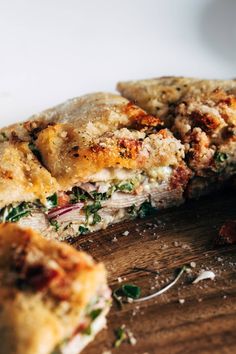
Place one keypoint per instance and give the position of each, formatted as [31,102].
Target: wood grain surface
[189,318]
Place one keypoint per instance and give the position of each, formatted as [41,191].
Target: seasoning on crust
[202,113]
[111,159]
[54,299]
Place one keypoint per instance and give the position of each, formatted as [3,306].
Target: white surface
[52,50]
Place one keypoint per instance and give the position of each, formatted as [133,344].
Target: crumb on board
[204,274]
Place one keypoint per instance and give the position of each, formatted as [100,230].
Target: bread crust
[22,177]
[157,96]
[202,113]
[45,287]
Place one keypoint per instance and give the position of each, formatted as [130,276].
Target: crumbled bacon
[140,117]
[205,120]
[129,148]
[227,233]
[63,199]
[97,148]
[180,177]
[39,276]
[14,137]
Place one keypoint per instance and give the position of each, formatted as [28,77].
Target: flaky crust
[158,95]
[22,177]
[45,287]
[93,114]
[70,160]
[202,113]
[96,131]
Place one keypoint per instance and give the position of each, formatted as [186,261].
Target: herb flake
[55,224]
[123,187]
[121,336]
[14,214]
[52,201]
[220,157]
[83,230]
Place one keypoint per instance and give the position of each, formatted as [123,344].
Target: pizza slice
[53,300]
[111,160]
[202,113]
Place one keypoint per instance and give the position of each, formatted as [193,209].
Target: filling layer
[92,322]
[94,205]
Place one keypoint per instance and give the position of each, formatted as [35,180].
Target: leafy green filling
[15,213]
[78,195]
[144,210]
[83,230]
[127,186]
[92,209]
[55,224]
[52,201]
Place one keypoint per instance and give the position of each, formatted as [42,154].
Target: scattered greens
[99,196]
[92,209]
[78,195]
[127,290]
[55,224]
[15,213]
[120,336]
[83,230]
[220,157]
[95,313]
[52,201]
[163,290]
[128,186]
[145,210]
[132,291]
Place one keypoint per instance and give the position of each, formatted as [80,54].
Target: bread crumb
[125,233]
[181,301]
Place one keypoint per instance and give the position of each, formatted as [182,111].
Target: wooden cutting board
[188,318]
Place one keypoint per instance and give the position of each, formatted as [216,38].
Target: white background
[52,50]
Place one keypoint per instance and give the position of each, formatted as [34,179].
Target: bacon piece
[227,233]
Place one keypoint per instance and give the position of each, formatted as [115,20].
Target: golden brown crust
[93,114]
[22,177]
[202,113]
[45,287]
[158,95]
[71,160]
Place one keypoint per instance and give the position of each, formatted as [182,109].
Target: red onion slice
[55,213]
